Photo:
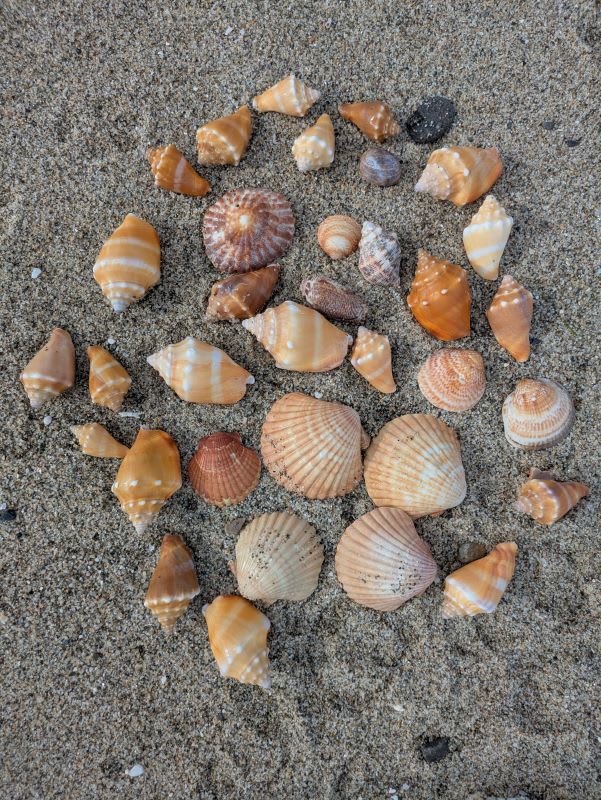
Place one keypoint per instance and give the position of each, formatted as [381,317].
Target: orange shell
[333,300]
[173,172]
[242,294]
[288,96]
[51,371]
[478,587]
[95,440]
[460,174]
[173,584]
[372,359]
[546,500]
[314,148]
[510,316]
[225,140]
[440,297]
[537,414]
[453,379]
[379,256]
[373,118]
[109,381]
[222,470]
[338,236]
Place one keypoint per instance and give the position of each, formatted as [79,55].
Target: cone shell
[172,171]
[485,238]
[238,638]
[440,297]
[537,414]
[379,256]
[173,585]
[95,440]
[546,500]
[314,148]
[299,338]
[338,236]
[222,470]
[371,358]
[51,371]
[332,299]
[453,379]
[510,317]
[225,140]
[313,447]
[460,174]
[200,373]
[149,474]
[414,463]
[288,96]
[109,381]
[278,557]
[374,119]
[478,587]
[242,294]
[381,561]
[246,229]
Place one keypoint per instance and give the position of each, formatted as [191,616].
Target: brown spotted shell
[242,294]
[222,470]
[332,299]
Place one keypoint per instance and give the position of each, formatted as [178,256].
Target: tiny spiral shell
[222,470]
[51,371]
[485,238]
[440,297]
[460,174]
[510,317]
[537,414]
[373,118]
[314,148]
[242,294]
[333,300]
[173,584]
[288,96]
[372,359]
[225,140]
[173,172]
[379,256]
[547,500]
[95,440]
[453,379]
[108,381]
[478,587]
[339,235]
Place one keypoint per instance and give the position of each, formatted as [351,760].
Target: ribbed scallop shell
[510,317]
[95,440]
[288,96]
[478,587]
[222,470]
[485,237]
[546,500]
[379,167]
[379,256]
[537,414]
[242,294]
[453,379]
[440,297]
[372,359]
[174,584]
[460,174]
[333,300]
[314,148]
[278,557]
[414,463]
[339,235]
[381,561]
[246,229]
[238,638]
[108,381]
[373,118]
[313,447]
[172,171]
[225,140]
[51,371]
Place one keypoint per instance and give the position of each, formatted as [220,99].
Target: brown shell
[51,371]
[460,174]
[332,299]
[373,118]
[95,440]
[108,381]
[546,500]
[242,295]
[379,167]
[222,470]
[225,140]
[379,256]
[371,358]
[440,297]
[174,584]
[173,172]
[453,379]
[339,235]
[510,316]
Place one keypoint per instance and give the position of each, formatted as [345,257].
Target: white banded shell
[314,148]
[537,414]
[485,238]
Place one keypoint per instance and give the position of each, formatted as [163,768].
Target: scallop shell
[339,236]
[381,561]
[440,297]
[414,463]
[174,584]
[374,119]
[246,229]
[95,440]
[225,140]
[460,174]
[288,96]
[172,171]
[278,557]
[314,148]
[222,470]
[238,638]
[242,294]
[109,381]
[547,500]
[149,474]
[200,373]
[332,299]
[379,256]
[478,587]
[453,379]
[51,371]
[313,447]
[537,414]
[379,167]
[510,317]
[372,359]
[485,237]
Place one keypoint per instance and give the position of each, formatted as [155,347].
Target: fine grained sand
[90,686]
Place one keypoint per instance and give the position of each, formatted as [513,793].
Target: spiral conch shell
[460,174]
[225,140]
[339,235]
[485,237]
[547,500]
[478,587]
[278,557]
[453,379]
[242,294]
[313,447]
[314,148]
[372,359]
[333,300]
[440,297]
[374,119]
[51,371]
[379,256]
[288,96]
[510,317]
[238,638]
[174,583]
[537,414]
[109,381]
[222,470]
[172,171]
[95,440]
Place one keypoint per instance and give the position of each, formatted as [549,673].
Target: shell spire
[372,359]
[95,440]
[373,118]
[108,381]
[333,300]
[440,297]
[478,587]
[510,317]
[546,499]
[51,371]
[174,584]
[379,256]
[225,140]
[222,470]
[172,171]
[314,148]
[288,96]
[537,414]
[485,238]
[460,174]
[453,379]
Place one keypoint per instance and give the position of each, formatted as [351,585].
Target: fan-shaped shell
[172,171]
[379,256]
[547,500]
[242,294]
[95,440]
[225,140]
[332,299]
[222,470]
[372,359]
[314,148]
[537,414]
[108,381]
[174,584]
[460,174]
[51,371]
[288,96]
[485,237]
[373,118]
[478,587]
[510,317]
[379,167]
[453,379]
[440,297]
[339,235]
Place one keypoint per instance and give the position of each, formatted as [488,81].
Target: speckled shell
[379,167]
[485,238]
[149,474]
[460,174]
[278,557]
[314,148]
[95,440]
[51,371]
[338,236]
[440,297]
[173,172]
[414,463]
[242,294]
[537,414]
[374,119]
[510,317]
[174,584]
[478,587]
[313,447]
[547,500]
[200,373]
[332,299]
[222,470]
[372,359]
[288,96]
[246,229]
[453,379]
[379,256]
[381,561]
[225,140]
[108,381]
[128,264]
[238,638]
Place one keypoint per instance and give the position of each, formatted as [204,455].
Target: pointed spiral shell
[460,174]
[108,381]
[485,238]
[95,440]
[547,500]
[288,96]
[173,584]
[440,297]
[242,294]
[373,118]
[173,172]
[225,140]
[478,587]
[314,148]
[510,317]
[339,235]
[51,371]
[372,359]
[379,256]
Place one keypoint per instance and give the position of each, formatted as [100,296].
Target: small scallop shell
[381,561]
[109,381]
[224,140]
[95,440]
[339,236]
[460,174]
[332,299]
[246,229]
[478,587]
[440,297]
[51,371]
[546,500]
[238,638]
[510,317]
[174,584]
[314,148]
[379,167]
[242,294]
[485,238]
[173,172]
[371,358]
[379,256]
[222,470]
[289,96]
[453,379]
[278,557]
[537,414]
[374,119]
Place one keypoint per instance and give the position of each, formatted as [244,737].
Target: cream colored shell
[372,359]
[485,238]
[314,148]
[288,96]
[537,414]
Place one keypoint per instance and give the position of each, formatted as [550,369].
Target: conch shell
[333,300]
[174,584]
[339,235]
[172,171]
[51,371]
[478,587]
[222,470]
[225,140]
[379,256]
[372,359]
[440,297]
[374,119]
[289,96]
[546,500]
[485,238]
[95,440]
[242,294]
[314,148]
[453,379]
[510,317]
[537,414]
[109,381]
[460,174]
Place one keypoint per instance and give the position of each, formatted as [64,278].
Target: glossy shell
[225,140]
[95,440]
[460,174]
[51,371]
[379,256]
[510,317]
[546,499]
[372,359]
[222,470]
[485,238]
[440,297]
[478,587]
[537,414]
[338,236]
[453,379]
[379,167]
[173,172]
[173,585]
[314,148]
[288,96]
[373,118]
[333,300]
[108,381]
[242,294]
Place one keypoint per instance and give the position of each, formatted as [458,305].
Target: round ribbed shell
[222,470]
[453,379]
[537,414]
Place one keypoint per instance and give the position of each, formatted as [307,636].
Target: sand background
[90,686]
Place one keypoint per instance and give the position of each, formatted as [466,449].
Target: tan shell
[478,587]
[174,584]
[108,381]
[332,299]
[547,500]
[288,96]
[379,256]
[485,238]
[51,371]
[95,440]
[173,172]
[242,294]
[373,118]
[222,470]
[537,414]
[225,140]
[453,379]
[510,317]
[339,235]
[372,359]
[314,148]
[460,174]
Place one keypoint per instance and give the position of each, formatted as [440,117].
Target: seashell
[546,500]
[478,587]
[440,297]
[174,584]
[222,470]
[339,236]
[537,414]
[332,299]
[510,316]
[453,379]
[313,447]
[172,171]
[238,638]
[371,358]
[314,148]
[379,167]
[149,474]
[246,229]
[109,381]
[379,256]
[288,96]
[485,237]
[200,373]
[299,338]
[128,264]
[414,463]
[460,174]
[51,371]
[374,119]
[242,294]
[95,440]
[278,557]
[225,140]
[381,561]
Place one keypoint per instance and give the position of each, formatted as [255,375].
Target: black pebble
[573,142]
[435,749]
[8,515]
[431,119]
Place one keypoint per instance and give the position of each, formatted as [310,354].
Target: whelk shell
[95,440]
[374,119]
[460,174]
[174,584]
[242,294]
[372,359]
[537,414]
[379,167]
[288,96]
[172,171]
[440,297]
[225,140]
[453,379]
[510,317]
[339,235]
[222,470]
[108,381]
[478,587]
[547,500]
[379,256]
[51,371]
[314,148]
[485,237]
[332,299]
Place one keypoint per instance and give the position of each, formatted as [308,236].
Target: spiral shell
[108,381]
[460,174]
[379,167]
[288,96]
[174,584]
[332,299]
[242,294]
[373,118]
[51,371]
[372,359]
[314,148]
[338,236]
[95,440]
[537,414]
[547,500]
[478,587]
[453,379]
[485,237]
[222,470]
[225,140]
[379,256]
[440,297]
[173,172]
[510,317]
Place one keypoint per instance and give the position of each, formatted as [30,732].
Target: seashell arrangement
[288,96]
[338,236]
[333,300]
[453,379]
[374,119]
[172,171]
[478,587]
[546,499]
[379,167]
[225,140]
[372,359]
[222,470]
[510,317]
[51,371]
[242,294]
[537,414]
[460,174]
[108,381]
[95,440]
[174,584]
[379,256]
[314,148]
[440,297]
[485,237]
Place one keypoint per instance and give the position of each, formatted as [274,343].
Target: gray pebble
[470,551]
[379,167]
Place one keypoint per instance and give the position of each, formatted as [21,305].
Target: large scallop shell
[440,297]
[453,379]
[379,256]
[95,440]
[373,118]
[372,359]
[108,381]
[222,470]
[225,140]
[174,584]
[332,299]
[460,174]
[339,235]
[51,371]
[242,294]
[313,447]
[288,96]
[546,500]
[172,171]
[537,414]
[414,463]
[485,237]
[478,587]
[314,148]
[510,317]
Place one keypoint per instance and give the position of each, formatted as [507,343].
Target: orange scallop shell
[288,96]
[51,371]
[108,381]
[372,359]
[222,470]
[453,379]
[460,174]
[510,316]
[547,500]
[95,440]
[373,118]
[172,171]
[225,140]
[242,294]
[440,297]
[537,414]
[174,584]
[478,587]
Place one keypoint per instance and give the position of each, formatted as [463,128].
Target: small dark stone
[431,119]
[379,167]
[8,515]
[549,125]
[435,749]
[573,142]
[470,551]
[234,526]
